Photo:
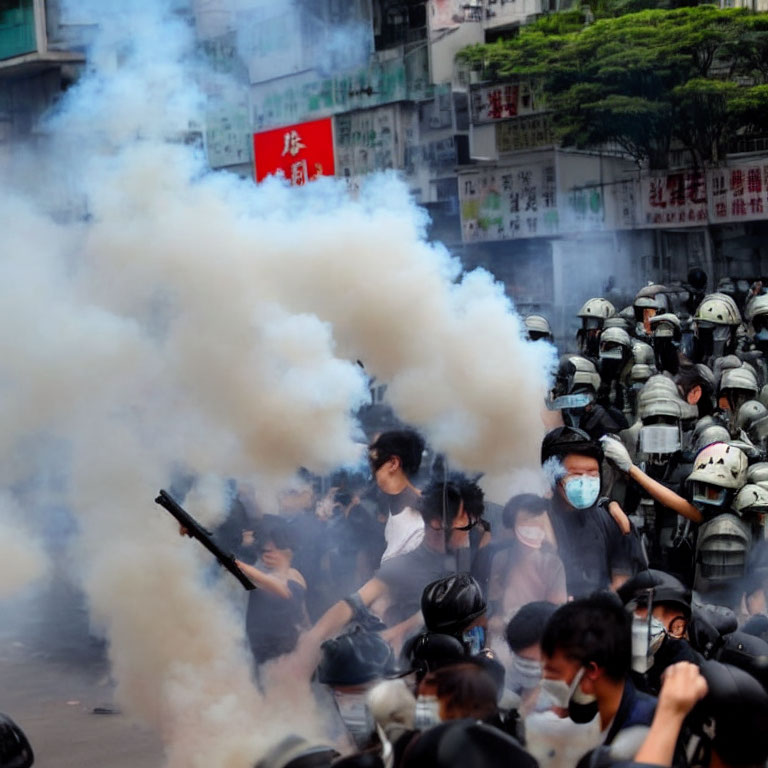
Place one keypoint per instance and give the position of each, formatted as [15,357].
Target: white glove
[616,452]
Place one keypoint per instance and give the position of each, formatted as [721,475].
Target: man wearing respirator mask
[572,461]
[587,653]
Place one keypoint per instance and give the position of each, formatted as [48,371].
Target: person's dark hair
[593,629]
[441,501]
[530,502]
[406,444]
[473,497]
[526,627]
[280,533]
[688,377]
[466,689]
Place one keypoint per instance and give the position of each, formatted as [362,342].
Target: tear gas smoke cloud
[195,320]
[22,559]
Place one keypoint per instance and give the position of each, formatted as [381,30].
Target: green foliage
[643,79]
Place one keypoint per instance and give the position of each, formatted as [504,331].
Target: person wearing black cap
[661,605]
[590,544]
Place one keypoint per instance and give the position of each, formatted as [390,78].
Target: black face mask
[589,342]
[582,713]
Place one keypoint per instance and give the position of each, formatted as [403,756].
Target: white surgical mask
[531,535]
[356,716]
[525,674]
[647,638]
[427,713]
[660,438]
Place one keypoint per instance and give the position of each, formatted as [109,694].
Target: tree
[643,79]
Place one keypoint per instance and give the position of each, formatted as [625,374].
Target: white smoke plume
[23,559]
[193,320]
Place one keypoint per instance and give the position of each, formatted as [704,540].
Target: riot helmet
[737,386]
[719,472]
[661,411]
[715,324]
[708,431]
[576,384]
[757,314]
[593,314]
[722,549]
[538,327]
[666,333]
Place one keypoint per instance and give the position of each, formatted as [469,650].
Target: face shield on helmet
[714,340]
[708,495]
[661,435]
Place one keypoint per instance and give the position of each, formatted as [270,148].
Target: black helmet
[15,751]
[296,752]
[562,441]
[433,650]
[355,658]
[746,652]
[462,743]
[451,604]
[666,589]
[733,714]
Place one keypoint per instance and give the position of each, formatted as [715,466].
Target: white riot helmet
[714,433]
[719,471]
[722,549]
[643,353]
[576,383]
[751,501]
[757,306]
[718,309]
[758,473]
[538,327]
[615,344]
[738,385]
[661,410]
[593,314]
[601,309]
[666,326]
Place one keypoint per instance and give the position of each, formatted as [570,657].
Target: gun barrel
[194,529]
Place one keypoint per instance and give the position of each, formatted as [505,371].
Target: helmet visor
[712,495]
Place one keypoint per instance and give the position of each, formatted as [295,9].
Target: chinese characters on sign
[508,203]
[674,199]
[738,194]
[301,152]
[528,132]
[500,102]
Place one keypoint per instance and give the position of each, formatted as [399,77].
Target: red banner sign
[301,152]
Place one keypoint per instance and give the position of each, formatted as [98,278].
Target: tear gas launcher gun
[196,531]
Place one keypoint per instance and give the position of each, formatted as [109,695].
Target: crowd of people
[619,617]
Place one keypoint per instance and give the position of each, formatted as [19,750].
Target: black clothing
[671,651]
[273,623]
[590,545]
[636,708]
[601,420]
